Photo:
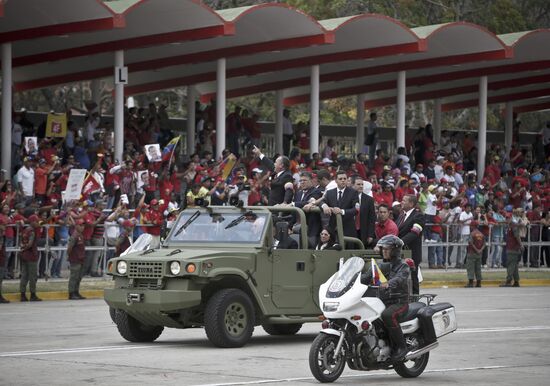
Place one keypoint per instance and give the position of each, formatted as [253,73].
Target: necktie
[401,219]
[339,196]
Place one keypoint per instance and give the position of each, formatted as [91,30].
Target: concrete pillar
[314,111]
[509,126]
[437,122]
[279,96]
[6,108]
[119,110]
[360,134]
[220,107]
[401,88]
[191,120]
[482,132]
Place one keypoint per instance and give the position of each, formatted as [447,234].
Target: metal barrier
[532,243]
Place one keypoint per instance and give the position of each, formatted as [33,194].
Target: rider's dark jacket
[398,274]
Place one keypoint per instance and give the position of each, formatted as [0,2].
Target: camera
[200,201]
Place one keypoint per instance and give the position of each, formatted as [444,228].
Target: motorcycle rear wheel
[412,368]
[324,365]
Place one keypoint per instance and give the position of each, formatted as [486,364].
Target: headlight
[330,306]
[122,267]
[175,267]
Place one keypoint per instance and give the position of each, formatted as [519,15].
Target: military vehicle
[220,268]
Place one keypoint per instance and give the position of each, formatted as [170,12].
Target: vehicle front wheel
[325,365]
[229,318]
[134,331]
[112,313]
[282,329]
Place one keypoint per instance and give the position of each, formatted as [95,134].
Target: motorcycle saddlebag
[437,320]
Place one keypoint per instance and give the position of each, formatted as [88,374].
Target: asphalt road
[503,338]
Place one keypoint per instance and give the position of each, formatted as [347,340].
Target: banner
[56,125]
[90,186]
[74,184]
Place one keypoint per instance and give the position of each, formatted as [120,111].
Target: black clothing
[367,218]
[301,198]
[346,203]
[277,193]
[287,243]
[413,241]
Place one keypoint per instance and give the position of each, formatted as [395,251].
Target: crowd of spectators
[141,193]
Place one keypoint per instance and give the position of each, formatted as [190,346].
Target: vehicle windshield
[346,277]
[247,228]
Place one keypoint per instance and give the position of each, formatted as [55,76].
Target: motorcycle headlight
[330,306]
[175,267]
[122,267]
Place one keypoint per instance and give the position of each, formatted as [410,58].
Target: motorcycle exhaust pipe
[421,351]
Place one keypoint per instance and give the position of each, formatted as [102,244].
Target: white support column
[482,132]
[401,88]
[437,122]
[509,126]
[96,92]
[279,96]
[220,107]
[6,108]
[190,120]
[360,135]
[314,111]
[119,110]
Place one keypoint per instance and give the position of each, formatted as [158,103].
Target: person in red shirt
[476,245]
[41,174]
[154,219]
[3,224]
[385,226]
[386,195]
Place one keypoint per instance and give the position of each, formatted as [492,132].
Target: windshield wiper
[193,217]
[239,219]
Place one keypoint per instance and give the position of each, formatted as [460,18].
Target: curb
[98,294]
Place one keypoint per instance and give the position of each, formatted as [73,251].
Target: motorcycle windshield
[346,277]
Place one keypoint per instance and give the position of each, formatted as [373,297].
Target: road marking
[502,310]
[363,374]
[500,329]
[69,351]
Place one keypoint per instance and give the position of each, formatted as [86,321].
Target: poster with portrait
[153,152]
[142,179]
[56,125]
[31,145]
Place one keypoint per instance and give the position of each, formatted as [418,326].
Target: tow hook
[133,298]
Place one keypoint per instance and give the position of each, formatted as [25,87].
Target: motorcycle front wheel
[324,364]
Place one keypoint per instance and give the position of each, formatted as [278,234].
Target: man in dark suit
[341,200]
[410,224]
[303,199]
[280,177]
[365,217]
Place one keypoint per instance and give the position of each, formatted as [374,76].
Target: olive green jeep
[218,268]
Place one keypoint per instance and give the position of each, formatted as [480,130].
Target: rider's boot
[399,347]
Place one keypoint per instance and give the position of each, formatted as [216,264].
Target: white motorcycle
[353,331]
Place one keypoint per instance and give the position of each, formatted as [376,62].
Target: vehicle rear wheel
[412,368]
[282,329]
[324,364]
[134,331]
[229,318]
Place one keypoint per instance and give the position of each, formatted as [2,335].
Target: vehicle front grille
[152,284]
[144,270]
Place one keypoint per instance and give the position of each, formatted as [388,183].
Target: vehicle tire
[229,318]
[112,313]
[282,329]
[412,368]
[134,331]
[322,363]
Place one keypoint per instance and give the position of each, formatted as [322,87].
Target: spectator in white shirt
[25,179]
[465,220]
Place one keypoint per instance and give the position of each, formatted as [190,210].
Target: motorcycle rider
[396,291]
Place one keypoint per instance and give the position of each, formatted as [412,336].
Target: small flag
[89,186]
[169,148]
[227,166]
[377,275]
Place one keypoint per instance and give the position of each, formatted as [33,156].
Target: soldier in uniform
[77,257]
[2,256]
[29,259]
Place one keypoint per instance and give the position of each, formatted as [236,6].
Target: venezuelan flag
[169,148]
[377,275]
